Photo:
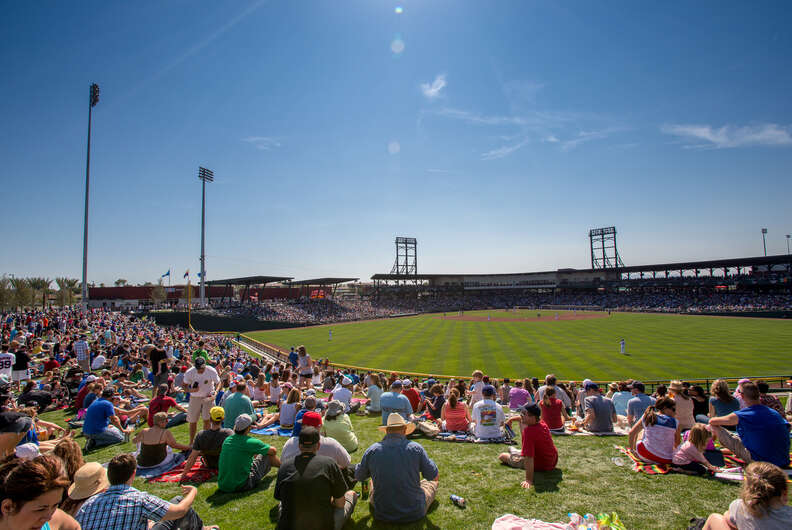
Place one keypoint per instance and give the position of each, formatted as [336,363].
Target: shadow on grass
[547,480]
[219,498]
[368,521]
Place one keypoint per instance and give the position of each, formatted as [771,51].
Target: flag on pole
[186,273]
[166,274]
[200,275]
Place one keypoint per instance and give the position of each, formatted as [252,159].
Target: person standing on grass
[201,382]
[538,451]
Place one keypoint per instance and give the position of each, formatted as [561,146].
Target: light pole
[764,240]
[787,237]
[206,175]
[93,99]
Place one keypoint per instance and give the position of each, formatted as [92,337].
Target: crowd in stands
[307,311]
[103,366]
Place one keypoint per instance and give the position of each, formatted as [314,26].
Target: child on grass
[689,456]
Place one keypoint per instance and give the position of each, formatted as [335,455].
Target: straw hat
[676,386]
[395,420]
[90,479]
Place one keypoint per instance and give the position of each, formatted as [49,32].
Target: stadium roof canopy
[711,264]
[411,276]
[250,280]
[324,281]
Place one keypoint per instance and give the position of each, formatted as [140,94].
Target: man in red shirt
[538,451]
[411,394]
[162,403]
[51,364]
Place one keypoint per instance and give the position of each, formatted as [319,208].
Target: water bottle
[617,461]
[458,501]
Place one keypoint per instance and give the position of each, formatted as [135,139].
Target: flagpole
[189,315]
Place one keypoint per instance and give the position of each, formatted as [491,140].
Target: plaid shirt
[81,350]
[121,508]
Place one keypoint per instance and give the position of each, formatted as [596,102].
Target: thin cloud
[588,136]
[263,143]
[729,136]
[433,90]
[504,151]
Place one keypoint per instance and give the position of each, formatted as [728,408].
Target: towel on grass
[617,431]
[639,466]
[150,472]
[272,430]
[446,436]
[198,474]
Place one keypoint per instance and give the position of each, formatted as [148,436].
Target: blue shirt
[293,358]
[765,434]
[620,401]
[394,402]
[395,464]
[298,422]
[724,408]
[90,398]
[97,417]
[638,405]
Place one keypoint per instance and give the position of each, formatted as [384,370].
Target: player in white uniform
[7,360]
[622,347]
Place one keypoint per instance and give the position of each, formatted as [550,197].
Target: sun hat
[334,408]
[88,480]
[242,422]
[217,413]
[345,381]
[311,419]
[395,420]
[675,386]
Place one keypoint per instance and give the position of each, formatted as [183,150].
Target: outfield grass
[586,481]
[659,346]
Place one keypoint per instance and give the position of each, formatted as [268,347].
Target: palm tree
[120,282]
[22,292]
[40,285]
[66,290]
[5,292]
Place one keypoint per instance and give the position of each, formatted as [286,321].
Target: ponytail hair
[650,416]
[453,397]
[549,392]
[763,483]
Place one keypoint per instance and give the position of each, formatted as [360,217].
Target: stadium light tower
[787,238]
[93,99]
[764,240]
[206,175]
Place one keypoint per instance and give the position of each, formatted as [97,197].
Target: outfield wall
[214,323]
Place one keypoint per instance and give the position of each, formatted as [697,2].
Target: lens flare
[397,46]
[394,147]
[398,10]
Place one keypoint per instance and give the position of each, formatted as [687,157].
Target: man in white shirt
[98,362]
[7,360]
[329,446]
[488,415]
[201,382]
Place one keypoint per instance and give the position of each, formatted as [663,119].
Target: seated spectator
[520,394]
[89,480]
[122,506]
[762,433]
[288,409]
[722,402]
[98,417]
[689,456]
[600,414]
[700,404]
[162,403]
[661,433]
[395,401]
[487,415]
[660,391]
[38,398]
[684,405]
[412,395]
[154,443]
[328,447]
[768,400]
[343,393]
[237,404]
[244,460]
[208,442]
[312,488]
[435,402]
[621,398]
[14,427]
[30,491]
[338,426]
[763,502]
[70,454]
[373,393]
[550,380]
[553,413]
[455,414]
[639,402]
[395,465]
[538,450]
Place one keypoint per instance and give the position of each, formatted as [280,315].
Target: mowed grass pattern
[659,346]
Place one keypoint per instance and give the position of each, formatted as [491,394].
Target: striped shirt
[121,507]
[81,350]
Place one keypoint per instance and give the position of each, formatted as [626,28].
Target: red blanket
[198,474]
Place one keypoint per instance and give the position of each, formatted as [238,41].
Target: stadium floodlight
[764,240]
[205,175]
[93,99]
[787,238]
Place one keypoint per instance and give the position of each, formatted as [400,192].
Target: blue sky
[497,133]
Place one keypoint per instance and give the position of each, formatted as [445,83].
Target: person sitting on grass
[768,400]
[343,393]
[329,446]
[600,414]
[538,451]
[338,426]
[455,414]
[122,506]
[208,443]
[520,394]
[412,395]
[763,502]
[488,416]
[721,401]
[236,404]
[89,480]
[312,489]
[289,409]
[30,492]
[373,393]
[762,433]
[394,466]
[162,403]
[244,460]
[689,456]
[98,417]
[154,443]
[395,401]
[661,433]
[639,402]
[553,413]
[434,403]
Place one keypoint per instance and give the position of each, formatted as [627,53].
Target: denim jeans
[111,435]
[190,521]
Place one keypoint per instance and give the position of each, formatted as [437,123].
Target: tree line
[34,292]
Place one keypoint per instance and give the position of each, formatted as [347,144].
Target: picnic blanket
[149,472]
[446,436]
[639,466]
[272,430]
[198,474]
[617,431]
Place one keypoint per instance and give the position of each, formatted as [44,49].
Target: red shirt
[159,404]
[50,365]
[537,443]
[78,401]
[552,415]
[414,397]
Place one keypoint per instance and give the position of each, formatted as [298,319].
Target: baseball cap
[311,419]
[345,381]
[591,386]
[406,382]
[488,390]
[217,413]
[309,436]
[430,381]
[396,384]
[586,382]
[242,422]
[199,362]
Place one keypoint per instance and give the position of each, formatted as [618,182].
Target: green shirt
[236,404]
[236,457]
[341,430]
[137,376]
[201,353]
